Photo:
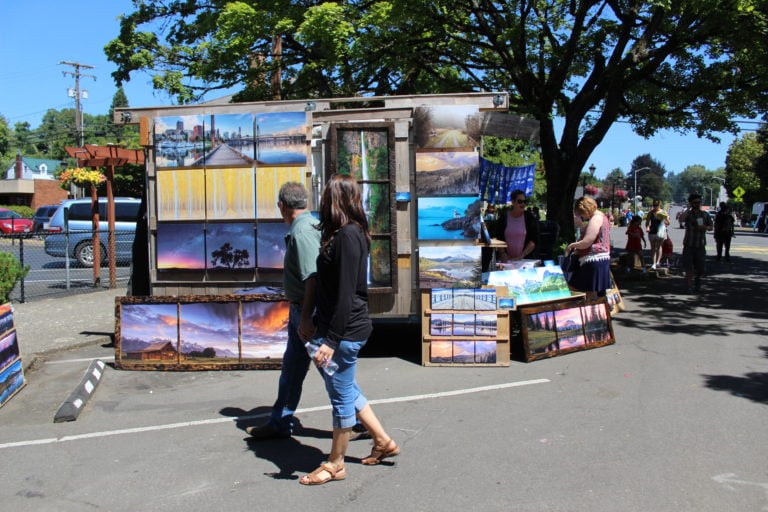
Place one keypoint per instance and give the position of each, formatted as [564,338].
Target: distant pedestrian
[760,223]
[635,244]
[724,231]
[656,223]
[697,223]
[667,252]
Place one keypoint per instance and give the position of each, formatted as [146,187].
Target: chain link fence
[59,276]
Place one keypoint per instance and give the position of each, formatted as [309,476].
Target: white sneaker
[653,267]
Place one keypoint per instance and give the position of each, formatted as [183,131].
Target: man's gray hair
[293,195]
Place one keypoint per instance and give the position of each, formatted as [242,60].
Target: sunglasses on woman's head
[521,201]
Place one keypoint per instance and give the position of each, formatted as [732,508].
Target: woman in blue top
[343,325]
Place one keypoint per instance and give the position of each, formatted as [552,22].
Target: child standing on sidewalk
[667,250]
[635,237]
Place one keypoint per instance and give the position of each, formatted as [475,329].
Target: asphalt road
[670,418]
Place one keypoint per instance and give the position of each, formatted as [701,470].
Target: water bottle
[329,367]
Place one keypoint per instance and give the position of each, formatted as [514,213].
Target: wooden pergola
[107,157]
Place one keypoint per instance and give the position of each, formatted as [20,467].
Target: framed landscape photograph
[447,126]
[201,332]
[554,329]
[447,173]
[448,218]
[447,266]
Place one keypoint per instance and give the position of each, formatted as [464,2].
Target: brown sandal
[334,473]
[379,453]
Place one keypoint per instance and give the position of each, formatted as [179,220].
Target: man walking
[299,269]
[724,229]
[697,223]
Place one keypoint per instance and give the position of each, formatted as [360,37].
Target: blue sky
[38,34]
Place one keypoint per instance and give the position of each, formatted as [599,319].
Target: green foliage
[657,64]
[24,211]
[5,137]
[742,167]
[11,272]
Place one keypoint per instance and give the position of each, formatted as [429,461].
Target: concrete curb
[32,362]
[70,409]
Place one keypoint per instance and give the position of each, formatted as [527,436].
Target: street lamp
[636,172]
[592,170]
[720,195]
[710,195]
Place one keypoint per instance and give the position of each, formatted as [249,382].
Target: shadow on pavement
[663,306]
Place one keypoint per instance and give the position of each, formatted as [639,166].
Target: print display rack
[464,327]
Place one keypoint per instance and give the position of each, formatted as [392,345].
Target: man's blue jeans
[292,375]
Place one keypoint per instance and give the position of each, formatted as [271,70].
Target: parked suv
[79,231]
[42,217]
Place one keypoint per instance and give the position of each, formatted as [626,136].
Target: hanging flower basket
[81,177]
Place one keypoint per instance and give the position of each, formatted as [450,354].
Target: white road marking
[213,421]
[67,361]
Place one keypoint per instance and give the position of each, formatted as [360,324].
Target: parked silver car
[71,229]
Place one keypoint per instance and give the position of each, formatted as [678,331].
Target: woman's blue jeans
[346,397]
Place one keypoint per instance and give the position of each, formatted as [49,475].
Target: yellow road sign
[738,192]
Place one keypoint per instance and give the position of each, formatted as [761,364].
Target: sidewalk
[50,325]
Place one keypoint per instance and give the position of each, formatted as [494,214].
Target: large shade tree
[741,168]
[577,66]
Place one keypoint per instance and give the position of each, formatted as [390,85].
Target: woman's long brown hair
[340,205]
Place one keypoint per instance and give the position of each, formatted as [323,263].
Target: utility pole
[78,95]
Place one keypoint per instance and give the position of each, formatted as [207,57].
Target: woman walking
[343,324]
